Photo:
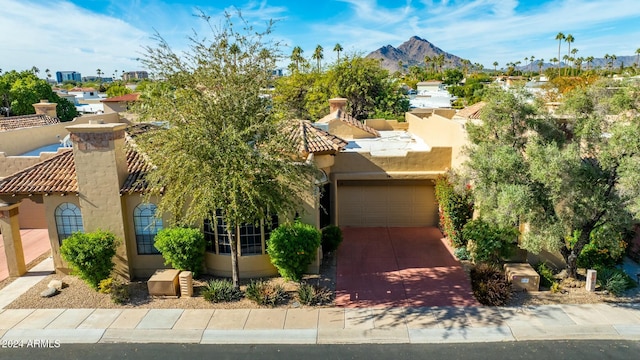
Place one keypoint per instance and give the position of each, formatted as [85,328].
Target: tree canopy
[224,149]
[20,90]
[567,178]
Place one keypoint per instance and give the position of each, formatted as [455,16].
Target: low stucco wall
[20,141]
[439,131]
[12,164]
[422,164]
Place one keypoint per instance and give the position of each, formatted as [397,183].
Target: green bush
[314,295]
[182,248]
[488,243]
[331,238]
[592,256]
[614,280]
[90,255]
[263,293]
[456,209]
[462,253]
[292,247]
[490,286]
[221,291]
[546,275]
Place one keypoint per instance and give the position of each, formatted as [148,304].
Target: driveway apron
[380,267]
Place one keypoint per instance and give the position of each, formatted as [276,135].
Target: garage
[386,203]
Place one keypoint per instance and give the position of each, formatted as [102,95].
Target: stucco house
[374,174]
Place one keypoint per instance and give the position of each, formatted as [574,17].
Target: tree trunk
[571,255]
[235,268]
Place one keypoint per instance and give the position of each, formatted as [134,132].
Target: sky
[86,35]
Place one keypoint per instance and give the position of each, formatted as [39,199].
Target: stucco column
[101,168]
[11,237]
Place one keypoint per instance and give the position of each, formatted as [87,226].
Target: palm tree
[318,56]
[569,39]
[559,37]
[337,49]
[589,60]
[440,61]
[234,50]
[613,59]
[48,72]
[35,70]
[531,58]
[540,65]
[265,55]
[495,66]
[574,51]
[296,56]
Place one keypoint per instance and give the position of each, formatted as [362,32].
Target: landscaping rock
[49,292]
[56,284]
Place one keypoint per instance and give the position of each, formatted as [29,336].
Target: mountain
[412,52]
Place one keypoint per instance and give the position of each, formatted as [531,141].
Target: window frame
[63,220]
[145,239]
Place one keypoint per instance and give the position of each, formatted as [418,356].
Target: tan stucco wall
[415,165]
[438,131]
[32,214]
[12,164]
[20,141]
[341,129]
[114,107]
[101,169]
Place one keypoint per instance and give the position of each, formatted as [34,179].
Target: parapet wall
[20,141]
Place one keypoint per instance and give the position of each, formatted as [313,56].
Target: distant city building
[95,78]
[134,75]
[62,76]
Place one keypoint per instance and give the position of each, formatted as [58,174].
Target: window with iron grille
[68,220]
[146,226]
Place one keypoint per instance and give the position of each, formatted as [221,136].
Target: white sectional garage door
[386,203]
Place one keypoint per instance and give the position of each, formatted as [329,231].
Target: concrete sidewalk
[448,324]
[322,326]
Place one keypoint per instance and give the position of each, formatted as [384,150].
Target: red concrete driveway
[399,267]
[35,242]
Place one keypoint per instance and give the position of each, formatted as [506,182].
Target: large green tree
[20,90]
[223,149]
[566,180]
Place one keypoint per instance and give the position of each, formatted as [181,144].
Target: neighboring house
[377,174]
[119,104]
[82,94]
[431,94]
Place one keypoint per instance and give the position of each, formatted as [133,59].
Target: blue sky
[85,35]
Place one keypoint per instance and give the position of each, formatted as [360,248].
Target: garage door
[386,203]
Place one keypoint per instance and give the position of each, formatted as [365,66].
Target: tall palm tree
[234,50]
[296,56]
[559,37]
[265,55]
[569,39]
[606,60]
[574,51]
[495,66]
[338,48]
[589,60]
[613,59]
[540,65]
[99,72]
[48,72]
[35,70]
[318,56]
[531,58]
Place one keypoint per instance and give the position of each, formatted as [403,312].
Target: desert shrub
[221,291]
[90,255]
[263,293]
[182,248]
[331,238]
[456,209]
[546,275]
[555,287]
[614,280]
[292,247]
[605,249]
[462,253]
[488,243]
[314,295]
[118,290]
[490,286]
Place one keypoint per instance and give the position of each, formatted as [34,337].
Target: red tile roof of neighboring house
[121,98]
[472,112]
[349,120]
[26,121]
[314,140]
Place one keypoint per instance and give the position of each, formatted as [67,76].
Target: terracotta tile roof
[26,121]
[472,112]
[58,174]
[314,140]
[54,175]
[349,120]
[121,98]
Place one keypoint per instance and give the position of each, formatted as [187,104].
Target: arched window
[68,220]
[251,238]
[146,226]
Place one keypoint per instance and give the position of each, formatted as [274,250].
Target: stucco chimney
[337,104]
[44,107]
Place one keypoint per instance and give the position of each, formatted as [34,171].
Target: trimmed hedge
[292,248]
[90,255]
[456,209]
[182,248]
